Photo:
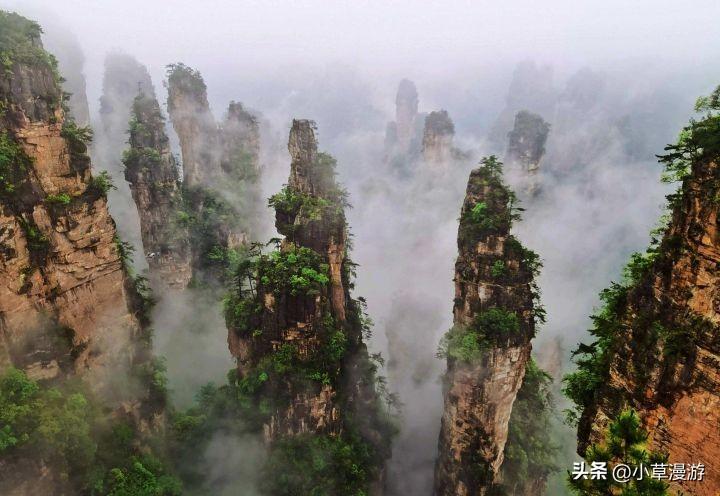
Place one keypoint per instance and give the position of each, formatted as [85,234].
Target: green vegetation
[75,134]
[678,331]
[14,164]
[528,136]
[18,44]
[241,166]
[100,184]
[593,360]
[138,158]
[498,269]
[44,422]
[137,128]
[59,199]
[185,78]
[298,465]
[624,443]
[291,202]
[461,343]
[143,476]
[531,451]
[320,465]
[489,327]
[298,270]
[77,139]
[208,218]
[64,429]
[698,141]
[38,243]
[497,211]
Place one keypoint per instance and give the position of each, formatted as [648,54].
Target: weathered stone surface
[195,126]
[406,111]
[123,78]
[479,393]
[403,136]
[327,385]
[674,385]
[438,138]
[64,306]
[153,175]
[526,147]
[71,60]
[532,89]
[221,164]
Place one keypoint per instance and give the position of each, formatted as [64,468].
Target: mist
[616,80]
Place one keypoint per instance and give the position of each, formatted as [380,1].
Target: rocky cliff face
[403,137]
[71,60]
[294,325]
[195,126]
[526,147]
[241,143]
[64,303]
[123,78]
[437,143]
[406,113]
[221,162]
[153,175]
[316,233]
[658,346]
[489,345]
[532,89]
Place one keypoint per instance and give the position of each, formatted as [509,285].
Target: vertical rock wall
[526,147]
[295,330]
[663,356]
[437,143]
[64,304]
[153,175]
[489,345]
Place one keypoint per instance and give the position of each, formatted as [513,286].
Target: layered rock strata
[489,345]
[154,180]
[526,147]
[437,142]
[658,341]
[294,324]
[66,302]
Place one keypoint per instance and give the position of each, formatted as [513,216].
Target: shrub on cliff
[531,451]
[14,163]
[489,327]
[624,443]
[64,429]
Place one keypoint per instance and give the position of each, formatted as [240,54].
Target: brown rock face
[526,147]
[195,126]
[152,173]
[297,319]
[63,301]
[241,143]
[664,358]
[221,162]
[122,79]
[437,143]
[489,346]
[294,324]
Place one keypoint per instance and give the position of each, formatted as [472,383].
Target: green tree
[625,443]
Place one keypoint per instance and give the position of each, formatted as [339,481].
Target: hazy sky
[423,39]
